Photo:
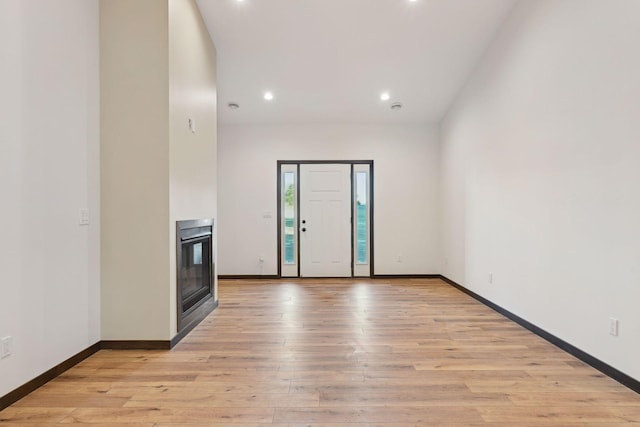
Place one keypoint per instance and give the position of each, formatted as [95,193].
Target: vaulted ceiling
[329,61]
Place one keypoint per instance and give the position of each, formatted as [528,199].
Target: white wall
[406,186]
[193,156]
[540,174]
[49,169]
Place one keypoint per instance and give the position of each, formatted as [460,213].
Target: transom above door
[325,215]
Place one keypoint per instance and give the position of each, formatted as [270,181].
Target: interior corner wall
[406,185]
[49,170]
[540,174]
[193,154]
[134,76]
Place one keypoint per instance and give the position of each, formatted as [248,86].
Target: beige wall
[193,156]
[157,71]
[134,169]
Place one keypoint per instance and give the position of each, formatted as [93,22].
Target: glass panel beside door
[361,220]
[289,219]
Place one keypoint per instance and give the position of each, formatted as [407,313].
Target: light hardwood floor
[357,353]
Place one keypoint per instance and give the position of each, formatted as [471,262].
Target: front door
[325,220]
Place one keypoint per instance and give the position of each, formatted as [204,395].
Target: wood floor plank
[224,400]
[554,414]
[266,425]
[454,424]
[39,415]
[71,400]
[337,353]
[11,424]
[572,398]
[431,415]
[172,415]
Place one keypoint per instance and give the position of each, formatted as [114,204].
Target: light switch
[84,216]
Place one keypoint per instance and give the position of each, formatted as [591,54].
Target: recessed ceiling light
[385,96]
[396,106]
[233,105]
[268,96]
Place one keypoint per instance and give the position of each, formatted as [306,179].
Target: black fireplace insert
[195,267]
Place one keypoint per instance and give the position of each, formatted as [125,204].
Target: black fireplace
[195,270]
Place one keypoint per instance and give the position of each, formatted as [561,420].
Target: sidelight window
[289,221]
[289,214]
[361,220]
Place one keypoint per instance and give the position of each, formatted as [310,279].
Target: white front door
[325,220]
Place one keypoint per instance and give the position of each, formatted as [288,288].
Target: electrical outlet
[5,350]
[613,326]
[490,277]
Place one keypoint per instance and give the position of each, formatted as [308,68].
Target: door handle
[303,229]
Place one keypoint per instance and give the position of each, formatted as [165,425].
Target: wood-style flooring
[357,353]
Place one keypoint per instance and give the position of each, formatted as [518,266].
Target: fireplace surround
[195,271]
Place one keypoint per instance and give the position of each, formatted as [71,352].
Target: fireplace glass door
[195,270]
